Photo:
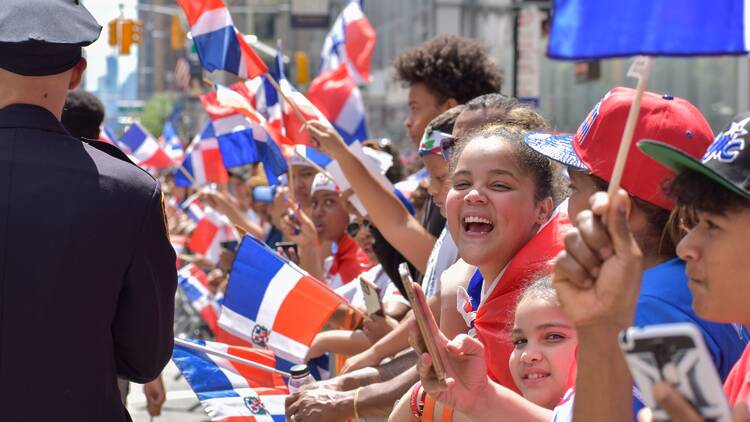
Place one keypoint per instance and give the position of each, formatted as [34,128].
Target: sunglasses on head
[353,228]
[447,145]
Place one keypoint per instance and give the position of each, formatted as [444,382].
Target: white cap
[321,182]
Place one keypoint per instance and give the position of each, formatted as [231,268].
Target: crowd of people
[528,282]
[529,269]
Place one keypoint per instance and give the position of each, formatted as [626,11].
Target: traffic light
[178,34]
[302,67]
[112,32]
[132,33]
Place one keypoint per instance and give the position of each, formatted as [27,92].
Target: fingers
[674,404]
[567,271]
[645,415]
[586,258]
[427,375]
[415,338]
[594,234]
[291,403]
[617,224]
[464,346]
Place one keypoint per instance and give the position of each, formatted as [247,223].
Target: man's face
[423,107]
[303,178]
[716,254]
[328,215]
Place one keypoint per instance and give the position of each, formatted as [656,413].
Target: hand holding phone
[371,294]
[675,354]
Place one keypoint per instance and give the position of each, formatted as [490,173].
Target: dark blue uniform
[87,274]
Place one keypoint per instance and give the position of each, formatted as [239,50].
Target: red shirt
[737,385]
[348,262]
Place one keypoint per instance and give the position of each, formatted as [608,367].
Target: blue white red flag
[242,132]
[220,46]
[273,304]
[144,148]
[194,284]
[409,185]
[590,29]
[263,97]
[203,161]
[105,135]
[208,234]
[171,142]
[231,391]
[192,208]
[350,42]
[337,96]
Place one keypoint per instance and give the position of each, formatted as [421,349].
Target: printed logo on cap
[728,145]
[583,130]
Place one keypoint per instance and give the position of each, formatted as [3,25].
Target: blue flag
[589,29]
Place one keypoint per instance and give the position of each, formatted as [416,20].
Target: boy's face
[581,186]
[716,254]
[328,215]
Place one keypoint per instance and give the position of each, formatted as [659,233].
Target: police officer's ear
[77,74]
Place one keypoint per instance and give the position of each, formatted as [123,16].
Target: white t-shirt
[443,255]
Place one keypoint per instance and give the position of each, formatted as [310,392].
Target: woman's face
[364,240]
[329,215]
[544,346]
[491,207]
[439,185]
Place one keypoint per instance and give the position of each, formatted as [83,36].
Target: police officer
[87,273]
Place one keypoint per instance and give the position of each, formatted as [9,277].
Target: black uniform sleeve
[143,325]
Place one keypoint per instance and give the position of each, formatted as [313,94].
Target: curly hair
[699,193]
[515,113]
[451,67]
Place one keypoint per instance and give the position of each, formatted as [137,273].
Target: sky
[104,11]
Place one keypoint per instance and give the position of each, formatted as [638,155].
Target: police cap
[44,37]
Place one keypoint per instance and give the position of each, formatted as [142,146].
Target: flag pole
[314,164]
[641,69]
[187,174]
[227,356]
[292,104]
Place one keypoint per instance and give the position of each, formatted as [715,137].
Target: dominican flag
[291,123]
[202,161]
[409,185]
[144,148]
[171,142]
[207,236]
[337,96]
[219,44]
[589,29]
[273,304]
[350,42]
[242,133]
[192,208]
[262,96]
[231,391]
[194,283]
[105,135]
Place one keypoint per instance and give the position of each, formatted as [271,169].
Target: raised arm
[385,210]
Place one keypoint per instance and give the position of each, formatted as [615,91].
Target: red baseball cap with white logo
[670,120]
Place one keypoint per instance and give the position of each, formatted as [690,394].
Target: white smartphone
[372,297]
[675,353]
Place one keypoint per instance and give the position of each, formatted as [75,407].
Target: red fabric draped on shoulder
[495,315]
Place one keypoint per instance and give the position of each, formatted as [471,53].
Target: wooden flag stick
[314,164]
[627,134]
[227,356]
[292,104]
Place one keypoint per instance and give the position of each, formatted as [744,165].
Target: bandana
[430,143]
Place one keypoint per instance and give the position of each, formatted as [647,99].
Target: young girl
[501,214]
[544,344]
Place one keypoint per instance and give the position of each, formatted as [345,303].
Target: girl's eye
[499,186]
[459,185]
[519,342]
[554,337]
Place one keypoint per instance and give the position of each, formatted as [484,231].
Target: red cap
[664,118]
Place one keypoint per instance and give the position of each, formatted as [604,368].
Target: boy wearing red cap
[590,156]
